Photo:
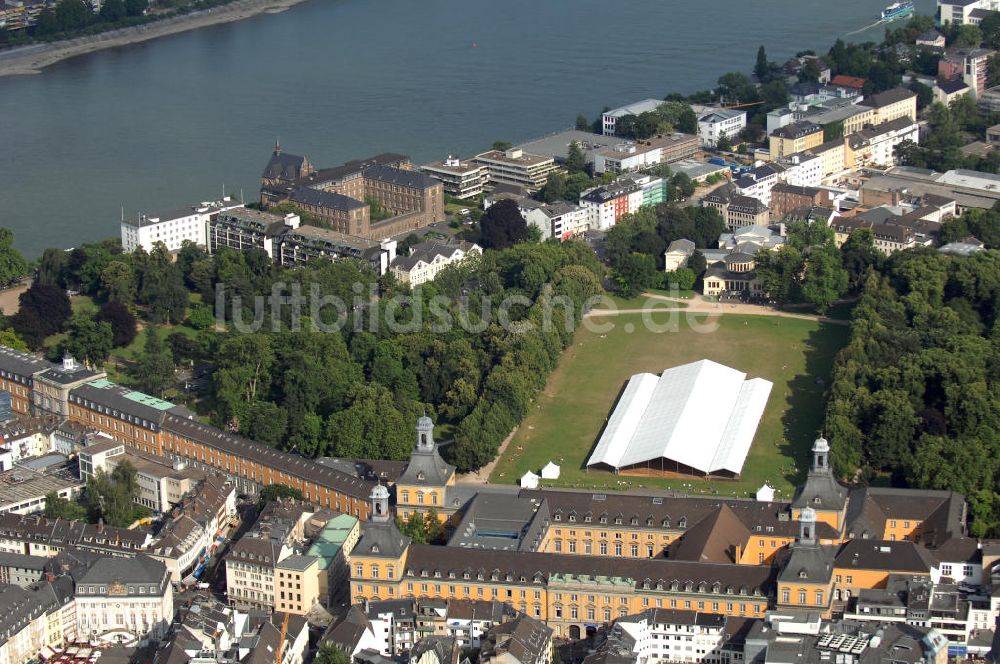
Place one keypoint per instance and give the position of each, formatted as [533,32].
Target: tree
[697,263]
[723,143]
[47,23]
[825,278]
[683,278]
[859,254]
[575,159]
[810,71]
[113,11]
[154,369]
[57,507]
[554,189]
[635,273]
[925,94]
[118,283]
[12,263]
[330,653]
[582,123]
[122,323]
[502,225]
[136,7]
[72,15]
[273,492]
[774,94]
[111,497]
[90,340]
[44,310]
[990,27]
[963,36]
[10,339]
[762,68]
[737,87]
[52,267]
[265,422]
[502,146]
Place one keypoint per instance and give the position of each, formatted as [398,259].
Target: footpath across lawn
[567,419]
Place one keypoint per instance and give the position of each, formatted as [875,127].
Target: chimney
[100,525]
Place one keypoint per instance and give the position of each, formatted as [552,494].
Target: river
[174,120]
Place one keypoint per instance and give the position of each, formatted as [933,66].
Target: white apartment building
[124,600]
[516,167]
[427,259]
[462,179]
[557,220]
[662,635]
[965,12]
[803,170]
[722,122]
[758,182]
[610,118]
[172,227]
[876,146]
[637,155]
[604,206]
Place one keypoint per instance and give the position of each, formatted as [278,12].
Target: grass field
[796,355]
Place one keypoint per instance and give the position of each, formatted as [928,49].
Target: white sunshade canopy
[550,471]
[703,415]
[529,480]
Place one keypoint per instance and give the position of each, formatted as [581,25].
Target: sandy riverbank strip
[33,58]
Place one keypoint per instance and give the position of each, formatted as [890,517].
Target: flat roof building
[462,179]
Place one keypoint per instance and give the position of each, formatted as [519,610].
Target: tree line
[915,394]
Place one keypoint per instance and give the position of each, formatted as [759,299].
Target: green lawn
[580,394]
[640,301]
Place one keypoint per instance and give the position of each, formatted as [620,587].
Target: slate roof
[428,251]
[714,539]
[809,564]
[283,166]
[267,457]
[138,570]
[797,129]
[347,632]
[888,97]
[746,580]
[381,540]
[401,177]
[953,86]
[443,648]
[22,364]
[900,556]
[326,199]
[523,639]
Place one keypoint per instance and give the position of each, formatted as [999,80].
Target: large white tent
[700,417]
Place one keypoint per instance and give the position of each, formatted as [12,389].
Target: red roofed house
[847,82]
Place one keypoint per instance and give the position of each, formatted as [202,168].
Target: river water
[174,120]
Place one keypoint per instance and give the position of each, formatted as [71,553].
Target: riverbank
[33,58]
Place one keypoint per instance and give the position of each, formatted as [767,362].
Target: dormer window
[375,548]
[634,521]
[618,520]
[420,476]
[557,517]
[666,523]
[802,574]
[572,517]
[683,522]
[587,518]
[604,518]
